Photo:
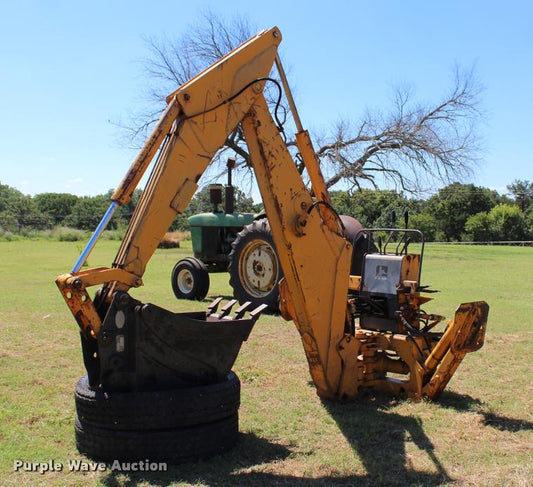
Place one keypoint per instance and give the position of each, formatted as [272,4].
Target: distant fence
[520,243]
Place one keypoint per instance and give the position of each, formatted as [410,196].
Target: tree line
[457,212]
[23,214]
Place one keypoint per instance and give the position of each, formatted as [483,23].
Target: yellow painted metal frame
[315,259]
[313,252]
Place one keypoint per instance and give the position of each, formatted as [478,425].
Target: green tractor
[227,241]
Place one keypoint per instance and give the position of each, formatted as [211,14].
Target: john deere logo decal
[382,272]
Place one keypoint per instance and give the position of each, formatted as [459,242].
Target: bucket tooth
[226,309]
[241,310]
[256,313]
[212,308]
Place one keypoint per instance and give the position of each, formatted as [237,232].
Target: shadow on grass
[379,437]
[465,403]
[250,451]
[377,434]
[383,456]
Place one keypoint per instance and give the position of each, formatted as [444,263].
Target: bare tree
[411,146]
[172,62]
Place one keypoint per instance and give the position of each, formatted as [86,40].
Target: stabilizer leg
[465,333]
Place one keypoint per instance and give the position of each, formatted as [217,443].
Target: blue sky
[71,70]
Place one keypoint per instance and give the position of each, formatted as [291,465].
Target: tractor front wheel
[190,279]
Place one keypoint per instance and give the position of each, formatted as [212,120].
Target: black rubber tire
[256,234]
[352,228]
[173,445]
[153,410]
[190,279]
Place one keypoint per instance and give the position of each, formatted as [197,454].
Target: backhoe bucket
[145,347]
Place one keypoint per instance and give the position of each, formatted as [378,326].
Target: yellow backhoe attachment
[466,333]
[358,330]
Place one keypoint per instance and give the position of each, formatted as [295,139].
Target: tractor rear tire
[163,409]
[173,445]
[190,279]
[254,266]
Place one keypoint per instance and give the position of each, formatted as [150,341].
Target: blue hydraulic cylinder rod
[96,235]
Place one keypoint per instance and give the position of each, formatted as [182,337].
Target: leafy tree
[88,211]
[201,202]
[345,204]
[26,215]
[529,221]
[371,207]
[522,192]
[180,223]
[411,144]
[56,205]
[375,208]
[455,203]
[125,212]
[8,195]
[394,215]
[502,223]
[507,222]
[426,223]
[19,212]
[478,227]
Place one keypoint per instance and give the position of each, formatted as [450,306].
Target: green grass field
[479,433]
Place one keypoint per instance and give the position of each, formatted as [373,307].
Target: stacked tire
[173,426]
